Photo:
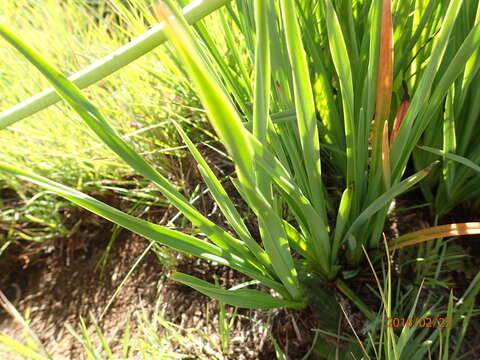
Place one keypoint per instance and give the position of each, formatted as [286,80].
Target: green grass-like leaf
[242,298]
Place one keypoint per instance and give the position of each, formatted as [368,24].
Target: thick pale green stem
[109,64]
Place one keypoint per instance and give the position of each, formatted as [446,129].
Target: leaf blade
[242,298]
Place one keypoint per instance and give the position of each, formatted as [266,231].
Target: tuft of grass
[258,167]
[279,142]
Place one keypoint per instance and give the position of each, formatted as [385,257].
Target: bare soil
[60,281]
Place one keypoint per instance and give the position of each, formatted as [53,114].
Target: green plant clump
[326,92]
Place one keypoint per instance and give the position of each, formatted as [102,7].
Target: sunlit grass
[55,142]
[381,106]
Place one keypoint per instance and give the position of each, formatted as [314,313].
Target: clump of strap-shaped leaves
[295,114]
[450,135]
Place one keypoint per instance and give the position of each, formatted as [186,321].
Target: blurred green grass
[139,98]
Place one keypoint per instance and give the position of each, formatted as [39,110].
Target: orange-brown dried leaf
[436,232]
[401,112]
[385,71]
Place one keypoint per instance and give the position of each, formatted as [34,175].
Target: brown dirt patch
[59,282]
